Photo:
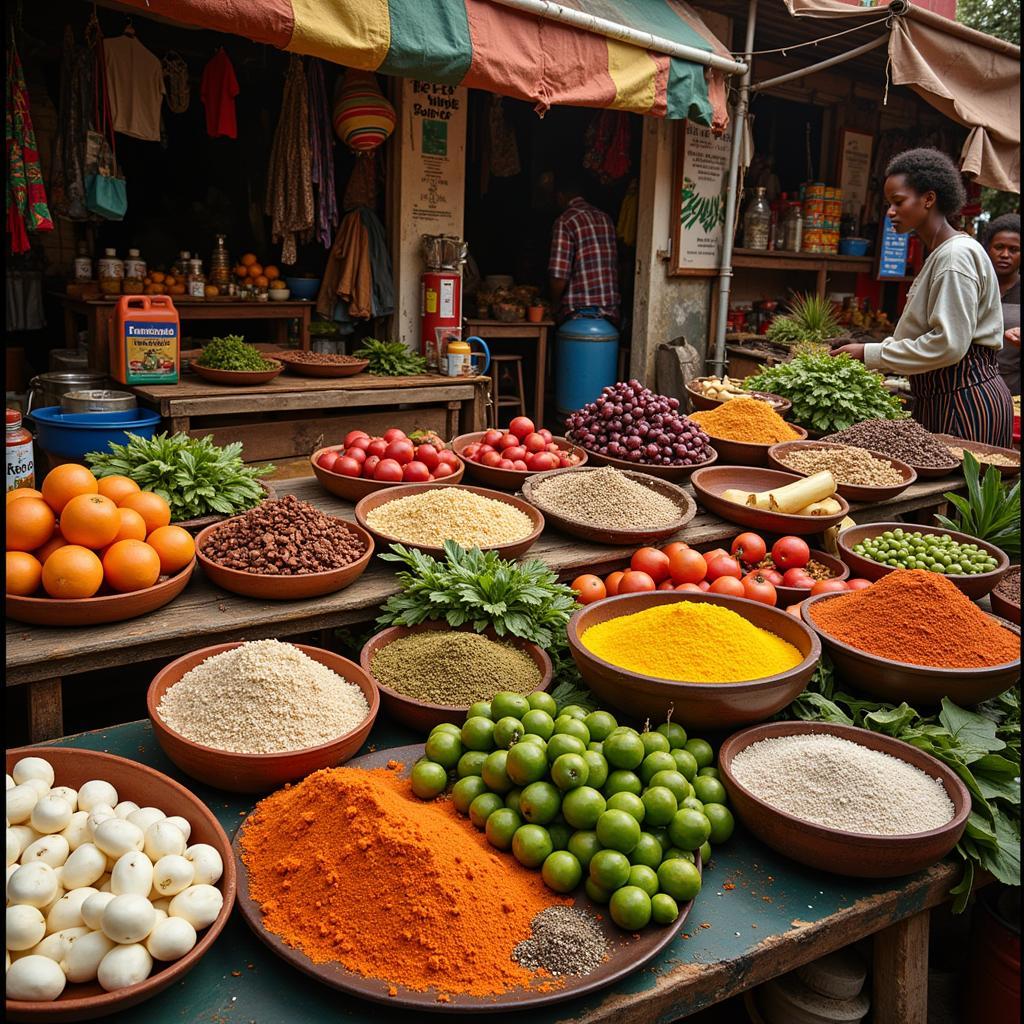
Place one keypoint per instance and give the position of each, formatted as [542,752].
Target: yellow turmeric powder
[745,419]
[691,642]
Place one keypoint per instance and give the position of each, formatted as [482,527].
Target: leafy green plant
[991,510]
[828,393]
[810,318]
[390,358]
[232,353]
[194,476]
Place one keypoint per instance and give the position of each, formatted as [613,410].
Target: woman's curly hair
[930,170]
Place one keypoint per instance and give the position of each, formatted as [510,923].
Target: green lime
[455,730]
[617,830]
[512,799]
[494,772]
[644,878]
[705,853]
[570,771]
[574,711]
[673,732]
[630,908]
[598,767]
[538,722]
[673,851]
[673,781]
[702,752]
[623,749]
[622,781]
[566,725]
[693,804]
[481,709]
[630,803]
[483,807]
[583,844]
[655,741]
[526,763]
[531,845]
[686,764]
[722,823]
[688,829]
[542,701]
[582,807]
[465,791]
[537,741]
[657,761]
[539,803]
[647,851]
[501,827]
[445,748]
[560,835]
[561,743]
[562,871]
[598,893]
[592,745]
[664,909]
[711,772]
[471,763]
[428,780]
[600,724]
[679,879]
[508,704]
[708,790]
[661,834]
[660,805]
[507,731]
[478,733]
[609,869]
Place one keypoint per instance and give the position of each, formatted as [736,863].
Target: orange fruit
[178,289]
[24,573]
[56,541]
[131,565]
[248,259]
[132,525]
[255,270]
[117,487]
[271,272]
[261,281]
[241,271]
[23,492]
[30,524]
[158,276]
[72,571]
[174,545]
[67,482]
[211,291]
[151,507]
[90,520]
[169,281]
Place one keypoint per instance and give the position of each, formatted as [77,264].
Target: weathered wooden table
[204,614]
[287,416]
[758,916]
[521,330]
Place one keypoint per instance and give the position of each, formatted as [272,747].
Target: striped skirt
[968,400]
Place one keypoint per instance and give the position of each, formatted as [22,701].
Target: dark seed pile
[562,941]
[307,358]
[905,440]
[1009,586]
[286,537]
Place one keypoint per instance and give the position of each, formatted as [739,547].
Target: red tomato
[362,441]
[858,583]
[483,450]
[710,556]
[402,451]
[666,585]
[491,458]
[790,553]
[757,588]
[492,437]
[773,576]
[687,566]
[377,447]
[705,586]
[749,548]
[516,453]
[415,472]
[728,585]
[442,470]
[691,587]
[612,581]
[676,545]
[389,470]
[552,447]
[797,578]
[506,464]
[534,443]
[508,441]
[359,454]
[589,588]
[352,435]
[428,455]
[723,565]
[541,462]
[828,587]
[546,434]
[370,464]
[347,466]
[635,582]
[521,466]
[393,434]
[521,426]
[448,456]
[651,561]
[327,460]
[564,462]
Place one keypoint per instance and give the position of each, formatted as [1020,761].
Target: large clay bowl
[791,595]
[285,588]
[420,715]
[709,484]
[851,492]
[898,681]
[701,403]
[676,474]
[984,449]
[607,535]
[257,773]
[845,853]
[504,479]
[975,587]
[353,488]
[303,369]
[95,611]
[238,378]
[700,705]
[511,550]
[744,453]
[133,781]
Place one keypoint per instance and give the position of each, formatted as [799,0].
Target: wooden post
[45,710]
[900,982]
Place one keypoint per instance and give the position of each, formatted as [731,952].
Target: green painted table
[757,917]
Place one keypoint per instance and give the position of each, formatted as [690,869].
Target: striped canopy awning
[485,44]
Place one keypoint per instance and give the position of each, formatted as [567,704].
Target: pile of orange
[80,536]
[156,282]
[250,269]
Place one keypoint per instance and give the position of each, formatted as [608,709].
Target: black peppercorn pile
[286,537]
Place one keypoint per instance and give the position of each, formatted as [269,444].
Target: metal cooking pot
[48,389]
[97,401]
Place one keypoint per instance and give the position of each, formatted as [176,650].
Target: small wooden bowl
[133,781]
[96,611]
[354,488]
[791,595]
[511,550]
[285,588]
[676,474]
[700,705]
[1004,607]
[505,479]
[709,484]
[238,378]
[420,715]
[743,453]
[701,403]
[852,492]
[935,472]
[845,853]
[975,587]
[302,369]
[984,449]
[608,535]
[199,523]
[257,773]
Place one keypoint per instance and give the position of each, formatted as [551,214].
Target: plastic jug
[145,340]
[459,356]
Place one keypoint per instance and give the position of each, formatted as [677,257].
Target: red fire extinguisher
[441,311]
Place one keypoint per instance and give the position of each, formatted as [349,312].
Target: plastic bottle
[20,463]
[83,268]
[111,273]
[134,265]
[757,222]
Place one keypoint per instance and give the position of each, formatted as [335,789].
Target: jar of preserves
[757,222]
[111,273]
[195,282]
[180,267]
[793,227]
[20,463]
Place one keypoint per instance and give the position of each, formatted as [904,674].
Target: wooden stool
[518,399]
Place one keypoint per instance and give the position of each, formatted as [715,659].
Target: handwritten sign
[854,169]
[892,253]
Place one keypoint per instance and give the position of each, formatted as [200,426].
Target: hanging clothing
[289,201]
[607,146]
[357,283]
[217,89]
[67,182]
[177,88]
[135,81]
[24,307]
[322,144]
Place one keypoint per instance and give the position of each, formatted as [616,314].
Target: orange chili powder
[349,866]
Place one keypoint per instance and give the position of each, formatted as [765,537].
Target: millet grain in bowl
[606,498]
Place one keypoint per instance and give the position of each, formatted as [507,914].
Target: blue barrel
[586,359]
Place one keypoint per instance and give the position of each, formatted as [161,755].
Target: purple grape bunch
[628,421]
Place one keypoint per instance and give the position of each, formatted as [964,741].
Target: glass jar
[82,269]
[220,265]
[111,273]
[180,267]
[793,227]
[195,283]
[20,464]
[757,221]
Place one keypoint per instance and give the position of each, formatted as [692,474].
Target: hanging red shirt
[218,89]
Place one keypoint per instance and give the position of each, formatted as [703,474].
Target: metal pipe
[739,126]
[612,30]
[840,58]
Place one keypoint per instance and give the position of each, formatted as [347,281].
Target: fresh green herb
[810,319]
[991,510]
[390,358]
[828,393]
[232,353]
[194,476]
[567,692]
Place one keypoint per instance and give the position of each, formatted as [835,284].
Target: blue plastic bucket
[71,435]
[586,360]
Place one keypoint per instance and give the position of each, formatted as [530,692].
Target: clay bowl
[1004,607]
[505,479]
[700,705]
[354,488]
[608,535]
[133,781]
[851,492]
[935,472]
[511,550]
[676,474]
[238,378]
[96,611]
[853,854]
[898,681]
[743,453]
[303,369]
[985,449]
[257,773]
[285,588]
[975,587]
[195,525]
[709,484]
[420,715]
[701,403]
[791,595]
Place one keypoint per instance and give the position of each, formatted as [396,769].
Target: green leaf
[970,728]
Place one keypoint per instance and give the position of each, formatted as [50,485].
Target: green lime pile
[932,551]
[585,800]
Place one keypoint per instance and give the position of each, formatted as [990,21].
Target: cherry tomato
[370,464]
[858,583]
[359,454]
[611,583]
[442,469]
[393,434]
[534,443]
[724,565]
[589,588]
[651,561]
[347,466]
[428,455]
[378,446]
[521,426]
[704,585]
[757,588]
[728,585]
[415,473]
[492,437]
[710,556]
[491,458]
[351,436]
[749,548]
[675,546]
[790,553]
[691,587]
[389,470]
[797,578]
[687,566]
[828,587]
[773,576]
[327,460]
[636,582]
[402,450]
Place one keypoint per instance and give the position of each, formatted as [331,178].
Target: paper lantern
[363,117]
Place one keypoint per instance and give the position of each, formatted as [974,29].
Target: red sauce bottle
[20,464]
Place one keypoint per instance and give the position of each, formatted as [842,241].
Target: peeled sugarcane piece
[791,498]
[737,496]
[825,507]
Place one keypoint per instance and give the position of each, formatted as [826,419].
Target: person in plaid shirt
[584,261]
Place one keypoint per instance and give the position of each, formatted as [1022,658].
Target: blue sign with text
[892,259]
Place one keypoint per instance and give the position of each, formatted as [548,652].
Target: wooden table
[521,329]
[758,916]
[97,314]
[204,614]
[287,416]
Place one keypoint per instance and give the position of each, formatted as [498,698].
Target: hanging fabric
[106,192]
[357,283]
[176,90]
[218,88]
[504,149]
[322,143]
[67,182]
[607,146]
[135,86]
[361,189]
[625,227]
